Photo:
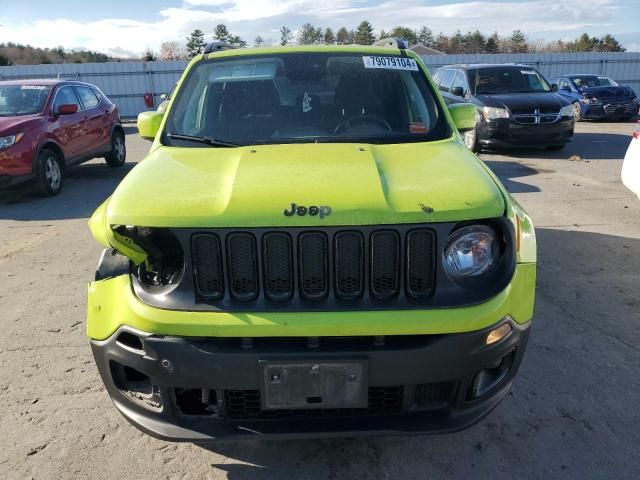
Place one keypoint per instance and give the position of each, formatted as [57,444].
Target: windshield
[607,82]
[507,80]
[18,100]
[305,97]
[588,81]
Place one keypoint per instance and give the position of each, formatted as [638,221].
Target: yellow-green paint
[463,115]
[149,124]
[112,303]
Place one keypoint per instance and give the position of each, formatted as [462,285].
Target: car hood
[609,93]
[18,124]
[524,102]
[253,186]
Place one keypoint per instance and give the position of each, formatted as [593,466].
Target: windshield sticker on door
[391,63]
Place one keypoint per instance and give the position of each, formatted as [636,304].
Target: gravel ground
[573,412]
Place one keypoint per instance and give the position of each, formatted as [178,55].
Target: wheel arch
[49,144]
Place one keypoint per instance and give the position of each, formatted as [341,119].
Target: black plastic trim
[111,264]
[446,292]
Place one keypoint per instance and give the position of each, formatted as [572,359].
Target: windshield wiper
[206,140]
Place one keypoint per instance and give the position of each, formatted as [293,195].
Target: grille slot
[208,266]
[420,263]
[385,256]
[278,266]
[349,256]
[314,266]
[243,266]
[247,404]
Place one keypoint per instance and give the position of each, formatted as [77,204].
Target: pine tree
[195,42]
[404,33]
[425,37]
[518,42]
[258,41]
[285,35]
[493,43]
[342,37]
[149,56]
[309,35]
[329,37]
[221,33]
[364,34]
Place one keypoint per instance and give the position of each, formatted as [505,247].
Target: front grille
[297,265]
[626,108]
[537,117]
[241,404]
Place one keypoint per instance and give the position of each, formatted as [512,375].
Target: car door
[67,129]
[93,118]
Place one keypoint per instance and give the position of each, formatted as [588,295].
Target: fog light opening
[499,333]
[129,340]
[135,385]
[491,376]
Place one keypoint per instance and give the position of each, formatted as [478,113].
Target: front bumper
[416,384]
[611,110]
[507,133]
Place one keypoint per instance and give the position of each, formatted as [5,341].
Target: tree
[364,34]
[149,56]
[259,41]
[404,33]
[4,60]
[236,41]
[221,33]
[474,42]
[170,51]
[342,36]
[609,44]
[493,43]
[285,35]
[456,43]
[309,35]
[329,37]
[443,43]
[518,42]
[425,37]
[195,42]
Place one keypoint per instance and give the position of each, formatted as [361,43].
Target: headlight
[566,111]
[471,251]
[491,113]
[9,140]
[590,101]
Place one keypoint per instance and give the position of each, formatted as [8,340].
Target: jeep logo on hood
[301,211]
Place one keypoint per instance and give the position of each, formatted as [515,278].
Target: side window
[461,82]
[437,76]
[97,93]
[64,96]
[87,97]
[563,84]
[446,79]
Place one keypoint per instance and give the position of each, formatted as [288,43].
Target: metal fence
[127,82]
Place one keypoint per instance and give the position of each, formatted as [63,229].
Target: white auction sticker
[393,63]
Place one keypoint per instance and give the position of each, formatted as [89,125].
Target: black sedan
[516,106]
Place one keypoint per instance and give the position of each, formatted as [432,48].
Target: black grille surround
[381,267]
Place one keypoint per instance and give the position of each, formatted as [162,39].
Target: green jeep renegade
[309,249]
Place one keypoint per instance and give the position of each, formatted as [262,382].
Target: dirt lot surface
[574,411]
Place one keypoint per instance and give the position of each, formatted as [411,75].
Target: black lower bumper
[8,181]
[193,389]
[507,133]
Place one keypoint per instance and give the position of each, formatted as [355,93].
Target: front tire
[470,138]
[577,111]
[118,154]
[49,173]
[555,148]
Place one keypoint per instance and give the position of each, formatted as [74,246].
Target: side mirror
[67,109]
[554,87]
[457,91]
[464,116]
[149,124]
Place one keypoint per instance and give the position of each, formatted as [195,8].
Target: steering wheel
[357,119]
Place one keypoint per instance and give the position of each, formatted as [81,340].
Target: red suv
[47,126]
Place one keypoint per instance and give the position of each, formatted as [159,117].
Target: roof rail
[392,43]
[217,47]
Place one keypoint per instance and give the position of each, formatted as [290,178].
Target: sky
[126,28]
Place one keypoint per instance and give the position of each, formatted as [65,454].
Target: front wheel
[49,173]
[470,138]
[577,111]
[118,154]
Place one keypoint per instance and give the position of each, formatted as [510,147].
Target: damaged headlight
[164,266]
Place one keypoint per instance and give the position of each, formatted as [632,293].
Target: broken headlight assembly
[164,266]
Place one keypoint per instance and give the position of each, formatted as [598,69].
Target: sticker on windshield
[392,63]
[32,87]
[527,72]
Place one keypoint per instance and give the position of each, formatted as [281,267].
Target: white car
[631,165]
